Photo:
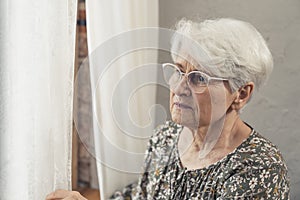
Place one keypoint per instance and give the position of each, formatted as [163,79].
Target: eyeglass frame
[182,74]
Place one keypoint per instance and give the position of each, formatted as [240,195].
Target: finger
[75,198]
[74,195]
[71,198]
[58,194]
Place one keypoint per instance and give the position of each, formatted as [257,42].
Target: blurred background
[274,111]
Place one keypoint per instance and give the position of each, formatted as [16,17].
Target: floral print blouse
[254,170]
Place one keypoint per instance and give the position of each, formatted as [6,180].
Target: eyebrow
[196,69]
[179,65]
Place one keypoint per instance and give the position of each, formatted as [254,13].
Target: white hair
[226,48]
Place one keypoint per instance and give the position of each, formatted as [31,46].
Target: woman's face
[198,109]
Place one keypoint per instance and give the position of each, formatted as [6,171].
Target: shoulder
[254,156]
[169,127]
[161,146]
[165,134]
[257,151]
[256,169]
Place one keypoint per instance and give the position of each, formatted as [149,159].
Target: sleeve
[126,194]
[270,182]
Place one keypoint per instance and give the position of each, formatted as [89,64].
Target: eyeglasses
[197,81]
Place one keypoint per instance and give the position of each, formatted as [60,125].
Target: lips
[182,105]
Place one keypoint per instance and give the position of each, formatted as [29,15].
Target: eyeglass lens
[196,80]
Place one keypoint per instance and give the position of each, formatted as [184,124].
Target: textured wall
[274,111]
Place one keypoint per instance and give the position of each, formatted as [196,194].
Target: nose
[182,88]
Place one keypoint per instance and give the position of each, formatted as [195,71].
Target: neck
[229,132]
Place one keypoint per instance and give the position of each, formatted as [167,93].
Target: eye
[197,79]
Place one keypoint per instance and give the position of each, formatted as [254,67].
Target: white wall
[275,111]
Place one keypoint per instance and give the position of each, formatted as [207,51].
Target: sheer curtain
[37,40]
[122,99]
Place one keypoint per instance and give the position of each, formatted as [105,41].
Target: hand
[65,195]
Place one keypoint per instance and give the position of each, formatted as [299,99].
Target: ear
[243,96]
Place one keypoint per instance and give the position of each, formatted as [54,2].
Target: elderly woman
[207,151]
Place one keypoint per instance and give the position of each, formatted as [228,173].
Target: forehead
[190,65]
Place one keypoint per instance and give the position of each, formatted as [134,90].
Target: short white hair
[226,48]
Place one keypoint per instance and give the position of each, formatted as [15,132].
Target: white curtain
[37,40]
[121,101]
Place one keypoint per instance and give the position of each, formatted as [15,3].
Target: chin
[185,120]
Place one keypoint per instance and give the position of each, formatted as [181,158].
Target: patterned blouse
[254,170]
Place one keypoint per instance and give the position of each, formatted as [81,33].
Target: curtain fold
[37,48]
[121,101]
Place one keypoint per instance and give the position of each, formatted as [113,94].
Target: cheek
[186,117]
[203,106]
[220,102]
[171,100]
